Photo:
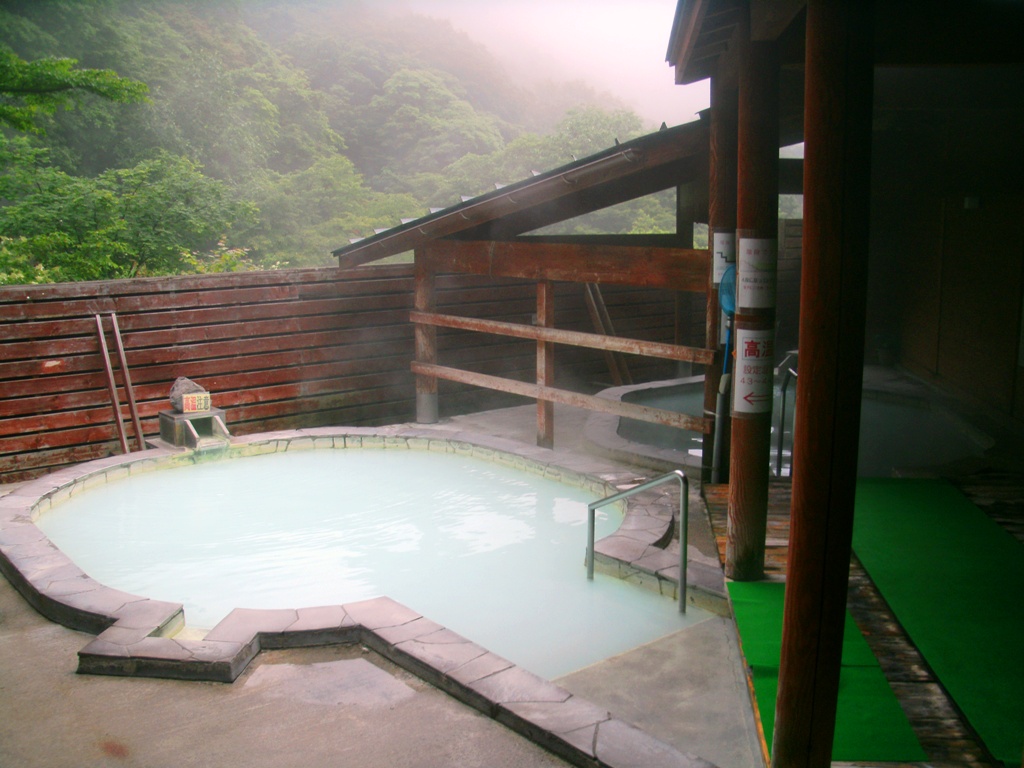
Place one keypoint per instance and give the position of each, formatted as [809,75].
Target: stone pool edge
[135,634]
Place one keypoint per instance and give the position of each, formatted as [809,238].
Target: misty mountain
[320,119]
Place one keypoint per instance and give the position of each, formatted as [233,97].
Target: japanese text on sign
[755,357]
[195,401]
[757,268]
[724,252]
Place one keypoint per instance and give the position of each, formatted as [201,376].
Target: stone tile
[480,667]
[644,523]
[101,600]
[539,709]
[380,612]
[13,534]
[421,628]
[147,614]
[207,650]
[243,624]
[162,648]
[34,562]
[300,443]
[70,591]
[582,739]
[658,561]
[620,548]
[517,685]
[623,745]
[100,646]
[321,618]
[12,503]
[560,717]
[442,657]
[40,550]
[124,636]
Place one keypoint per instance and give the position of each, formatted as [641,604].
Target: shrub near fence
[281,349]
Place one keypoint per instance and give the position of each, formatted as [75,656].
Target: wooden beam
[721,223]
[573,338]
[545,365]
[115,402]
[757,213]
[425,299]
[677,269]
[770,18]
[575,399]
[689,17]
[129,390]
[641,166]
[833,298]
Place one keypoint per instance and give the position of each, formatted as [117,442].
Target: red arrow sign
[752,398]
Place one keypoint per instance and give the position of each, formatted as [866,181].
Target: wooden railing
[282,349]
[541,262]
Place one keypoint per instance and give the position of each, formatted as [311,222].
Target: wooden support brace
[111,385]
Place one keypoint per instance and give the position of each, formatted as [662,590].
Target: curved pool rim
[136,635]
[882,385]
[601,431]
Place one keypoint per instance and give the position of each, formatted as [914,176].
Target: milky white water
[493,553]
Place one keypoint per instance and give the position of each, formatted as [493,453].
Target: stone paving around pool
[136,635]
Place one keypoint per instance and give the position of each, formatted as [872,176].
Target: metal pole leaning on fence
[684,522]
[111,385]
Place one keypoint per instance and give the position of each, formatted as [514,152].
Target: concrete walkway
[688,689]
[346,705]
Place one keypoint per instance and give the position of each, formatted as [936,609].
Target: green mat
[870,724]
[955,580]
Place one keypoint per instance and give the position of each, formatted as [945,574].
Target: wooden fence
[282,349]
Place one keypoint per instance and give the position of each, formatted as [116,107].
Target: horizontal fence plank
[565,397]
[572,338]
[286,349]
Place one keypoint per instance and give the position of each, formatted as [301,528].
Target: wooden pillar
[722,242]
[837,161]
[757,222]
[545,365]
[426,342]
[688,210]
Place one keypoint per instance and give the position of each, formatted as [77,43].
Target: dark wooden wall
[947,247]
[283,349]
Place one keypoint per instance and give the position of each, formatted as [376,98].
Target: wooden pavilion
[911,114]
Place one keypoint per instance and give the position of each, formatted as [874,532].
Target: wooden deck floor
[944,734]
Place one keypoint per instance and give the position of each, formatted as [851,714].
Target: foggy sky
[615,46]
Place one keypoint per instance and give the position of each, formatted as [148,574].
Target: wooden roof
[652,163]
[907,33]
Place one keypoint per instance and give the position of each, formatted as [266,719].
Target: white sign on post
[752,382]
[756,273]
[723,252]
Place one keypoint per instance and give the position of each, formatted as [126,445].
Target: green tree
[422,124]
[307,214]
[29,89]
[162,216]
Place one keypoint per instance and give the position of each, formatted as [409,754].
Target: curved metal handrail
[790,372]
[684,520]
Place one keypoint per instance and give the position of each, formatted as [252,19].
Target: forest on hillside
[259,134]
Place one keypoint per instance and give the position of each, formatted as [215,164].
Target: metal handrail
[790,373]
[684,520]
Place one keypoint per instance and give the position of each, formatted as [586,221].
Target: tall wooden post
[757,222]
[722,242]
[426,341]
[545,364]
[688,211]
[837,161]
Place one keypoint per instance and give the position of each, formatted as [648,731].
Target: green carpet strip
[955,581]
[870,725]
